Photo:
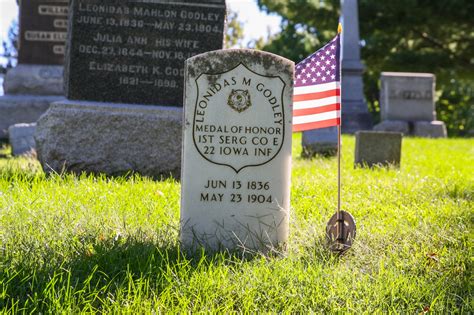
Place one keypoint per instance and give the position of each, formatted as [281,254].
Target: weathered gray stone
[430,129]
[107,138]
[37,80]
[407,96]
[151,56]
[142,63]
[15,109]
[320,141]
[34,80]
[235,191]
[21,138]
[378,148]
[394,126]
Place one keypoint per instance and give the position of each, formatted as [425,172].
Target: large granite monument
[124,75]
[37,80]
[407,105]
[236,170]
[355,112]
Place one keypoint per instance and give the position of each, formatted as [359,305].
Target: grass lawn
[91,244]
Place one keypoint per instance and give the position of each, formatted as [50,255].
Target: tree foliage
[405,35]
[235,30]
[10,46]
[10,50]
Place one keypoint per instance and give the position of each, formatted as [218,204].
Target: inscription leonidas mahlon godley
[236,150]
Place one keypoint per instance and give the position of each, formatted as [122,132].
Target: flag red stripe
[317,125]
[317,95]
[316,110]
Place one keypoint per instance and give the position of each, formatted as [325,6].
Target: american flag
[317,93]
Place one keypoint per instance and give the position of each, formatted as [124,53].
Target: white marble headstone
[236,163]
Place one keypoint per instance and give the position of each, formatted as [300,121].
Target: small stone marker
[43,31]
[378,148]
[124,82]
[134,51]
[319,141]
[21,138]
[407,99]
[236,151]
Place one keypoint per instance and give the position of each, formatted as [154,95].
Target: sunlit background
[256,23]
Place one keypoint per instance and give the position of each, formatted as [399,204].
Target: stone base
[378,148]
[355,121]
[425,129]
[21,137]
[394,126]
[34,80]
[112,139]
[320,141]
[430,129]
[16,109]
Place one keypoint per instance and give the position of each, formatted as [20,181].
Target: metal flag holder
[341,228]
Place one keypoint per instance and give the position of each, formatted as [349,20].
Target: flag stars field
[317,103]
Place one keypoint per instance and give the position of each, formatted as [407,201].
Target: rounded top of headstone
[221,60]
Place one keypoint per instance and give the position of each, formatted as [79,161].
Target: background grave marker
[134,51]
[407,104]
[378,148]
[43,31]
[37,80]
[123,77]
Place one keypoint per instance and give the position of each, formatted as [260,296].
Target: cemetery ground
[72,244]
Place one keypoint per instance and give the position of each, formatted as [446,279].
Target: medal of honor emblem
[239,100]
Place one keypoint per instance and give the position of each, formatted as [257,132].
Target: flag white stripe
[316,117]
[316,88]
[317,103]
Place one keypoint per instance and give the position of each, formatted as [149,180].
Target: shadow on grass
[101,273]
[28,168]
[318,252]
[309,155]
[457,192]
[27,171]
[83,169]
